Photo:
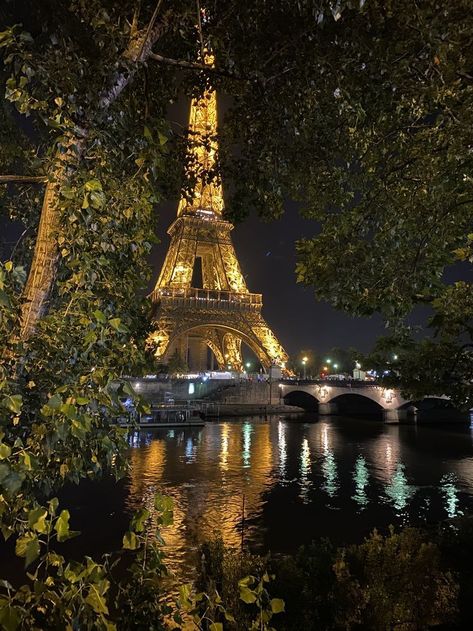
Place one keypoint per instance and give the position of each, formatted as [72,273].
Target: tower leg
[232,352]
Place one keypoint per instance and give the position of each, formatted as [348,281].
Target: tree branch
[201,37]
[191,65]
[149,28]
[22,179]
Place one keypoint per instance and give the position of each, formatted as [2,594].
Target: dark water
[300,480]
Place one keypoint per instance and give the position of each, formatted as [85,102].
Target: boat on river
[165,415]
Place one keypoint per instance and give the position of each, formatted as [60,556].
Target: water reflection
[282,450]
[290,474]
[399,491]
[246,452]
[360,476]
[224,446]
[305,481]
[329,470]
[450,495]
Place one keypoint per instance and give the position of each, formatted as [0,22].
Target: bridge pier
[327,409]
[395,416]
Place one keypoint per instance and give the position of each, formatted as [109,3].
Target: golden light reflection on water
[279,468]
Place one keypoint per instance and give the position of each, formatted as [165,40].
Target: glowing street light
[395,357]
[328,361]
[304,362]
[335,366]
[248,365]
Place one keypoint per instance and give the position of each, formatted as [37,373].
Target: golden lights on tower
[221,313]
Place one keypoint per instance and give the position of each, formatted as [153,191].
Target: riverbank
[234,410]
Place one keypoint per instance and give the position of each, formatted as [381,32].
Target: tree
[377,150]
[400,581]
[312,363]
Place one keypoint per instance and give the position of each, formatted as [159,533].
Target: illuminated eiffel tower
[221,313]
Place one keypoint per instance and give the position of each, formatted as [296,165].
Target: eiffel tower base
[190,321]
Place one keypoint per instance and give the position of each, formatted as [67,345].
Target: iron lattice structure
[223,313]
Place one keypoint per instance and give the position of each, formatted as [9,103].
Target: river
[295,478]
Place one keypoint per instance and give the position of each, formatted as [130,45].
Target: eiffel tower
[221,314]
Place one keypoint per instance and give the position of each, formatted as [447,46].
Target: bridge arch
[302,399]
[356,404]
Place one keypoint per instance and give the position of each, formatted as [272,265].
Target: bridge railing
[335,383]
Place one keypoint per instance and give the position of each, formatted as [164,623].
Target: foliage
[397,581]
[401,581]
[240,580]
[313,596]
[377,150]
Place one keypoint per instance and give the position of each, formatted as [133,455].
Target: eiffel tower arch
[222,313]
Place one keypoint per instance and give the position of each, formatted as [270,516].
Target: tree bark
[22,179]
[43,266]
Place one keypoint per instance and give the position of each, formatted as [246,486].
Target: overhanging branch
[191,65]
[22,179]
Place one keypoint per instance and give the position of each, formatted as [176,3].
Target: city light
[304,362]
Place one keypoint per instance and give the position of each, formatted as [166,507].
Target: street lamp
[248,365]
[304,362]
[335,366]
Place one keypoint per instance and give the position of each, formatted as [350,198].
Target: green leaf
[216,626]
[164,505]
[147,133]
[96,600]
[100,316]
[115,323]
[130,541]
[162,138]
[27,547]
[10,617]
[5,451]
[4,299]
[139,520]
[62,526]
[13,403]
[10,480]
[37,519]
[247,595]
[97,199]
[277,605]
[93,185]
[54,402]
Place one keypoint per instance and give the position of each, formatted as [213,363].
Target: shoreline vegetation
[407,579]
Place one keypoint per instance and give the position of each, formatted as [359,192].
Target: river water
[295,479]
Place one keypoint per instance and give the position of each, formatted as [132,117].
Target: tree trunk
[43,266]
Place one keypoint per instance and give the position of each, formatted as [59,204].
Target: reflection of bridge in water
[333,397]
[336,478]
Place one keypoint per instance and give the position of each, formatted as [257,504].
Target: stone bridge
[333,397]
